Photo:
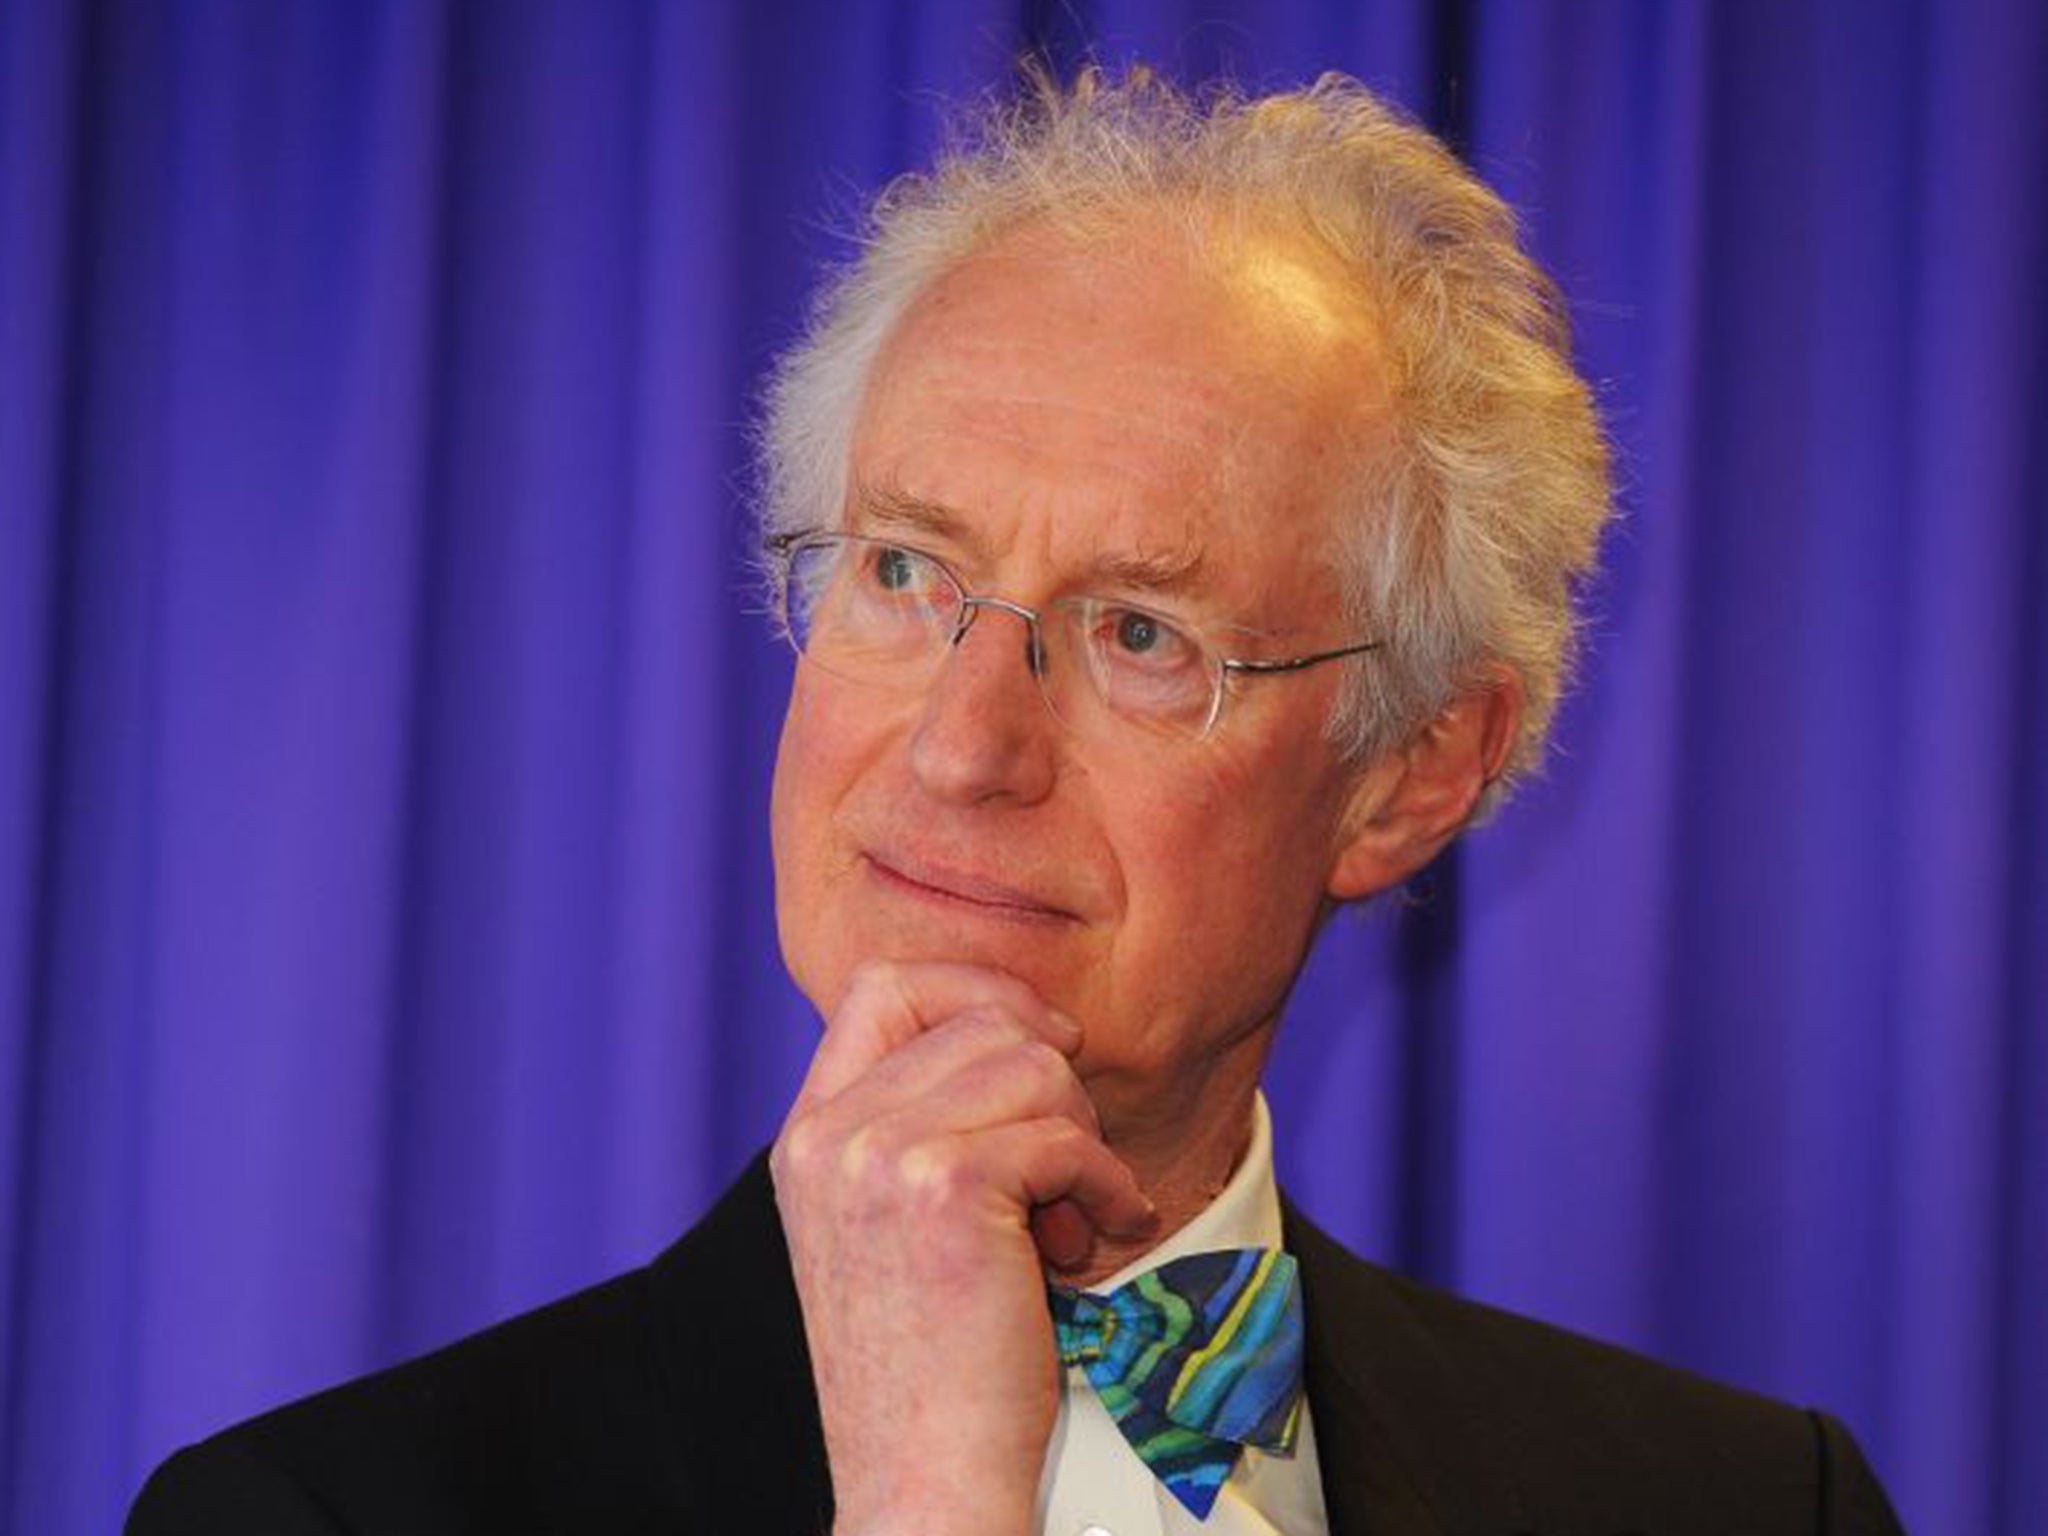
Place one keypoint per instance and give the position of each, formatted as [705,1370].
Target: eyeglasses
[877,612]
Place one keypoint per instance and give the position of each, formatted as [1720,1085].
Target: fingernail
[1067,1026]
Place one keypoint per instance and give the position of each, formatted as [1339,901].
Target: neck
[1182,1160]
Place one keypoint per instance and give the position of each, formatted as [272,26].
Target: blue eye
[1137,632]
[895,569]
[1137,641]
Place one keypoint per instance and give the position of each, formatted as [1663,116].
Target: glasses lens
[877,612]
[868,610]
[1135,666]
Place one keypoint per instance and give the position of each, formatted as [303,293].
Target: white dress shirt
[1095,1485]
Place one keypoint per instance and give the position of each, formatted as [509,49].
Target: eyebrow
[880,507]
[1177,573]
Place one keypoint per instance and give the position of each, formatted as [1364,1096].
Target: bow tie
[1194,1361]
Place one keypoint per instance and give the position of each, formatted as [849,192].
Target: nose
[985,733]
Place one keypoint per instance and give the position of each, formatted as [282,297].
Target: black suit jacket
[678,1398]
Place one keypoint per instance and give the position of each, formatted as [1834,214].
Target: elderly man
[1176,512]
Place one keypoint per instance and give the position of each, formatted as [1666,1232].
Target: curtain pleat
[386,713]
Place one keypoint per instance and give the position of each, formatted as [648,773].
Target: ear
[1406,806]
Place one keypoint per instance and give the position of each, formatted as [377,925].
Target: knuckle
[856,998]
[796,1150]
[1046,1067]
[862,1158]
[991,1027]
[896,1180]
[924,1171]
[937,1180]
[873,979]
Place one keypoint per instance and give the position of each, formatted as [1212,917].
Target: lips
[939,882]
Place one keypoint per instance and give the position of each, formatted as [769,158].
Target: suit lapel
[1395,1437]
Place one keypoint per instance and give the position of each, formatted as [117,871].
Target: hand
[940,1116]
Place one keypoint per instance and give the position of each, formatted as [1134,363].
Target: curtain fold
[386,715]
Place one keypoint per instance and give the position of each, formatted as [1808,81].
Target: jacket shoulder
[483,1434]
[1526,1426]
[673,1397]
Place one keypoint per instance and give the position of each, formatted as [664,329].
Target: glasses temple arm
[1299,663]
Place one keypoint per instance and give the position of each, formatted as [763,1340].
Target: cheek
[815,764]
[1178,844]
[1228,857]
[791,796]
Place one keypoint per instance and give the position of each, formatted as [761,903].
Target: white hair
[1469,525]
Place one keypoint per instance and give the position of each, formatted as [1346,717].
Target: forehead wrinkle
[1185,430]
[1071,426]
[1186,422]
[1187,416]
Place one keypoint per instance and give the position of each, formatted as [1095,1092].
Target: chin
[1029,958]
[822,972]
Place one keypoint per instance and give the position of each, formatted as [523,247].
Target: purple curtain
[385,721]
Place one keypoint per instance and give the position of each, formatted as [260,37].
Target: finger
[889,1003]
[1052,1160]
[1063,1234]
[972,1072]
[991,1076]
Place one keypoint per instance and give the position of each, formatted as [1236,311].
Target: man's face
[1054,414]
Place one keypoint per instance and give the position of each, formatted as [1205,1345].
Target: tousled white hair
[1470,523]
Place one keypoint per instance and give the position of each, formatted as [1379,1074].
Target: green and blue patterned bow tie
[1194,1361]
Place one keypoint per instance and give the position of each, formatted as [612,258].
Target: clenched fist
[940,1117]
